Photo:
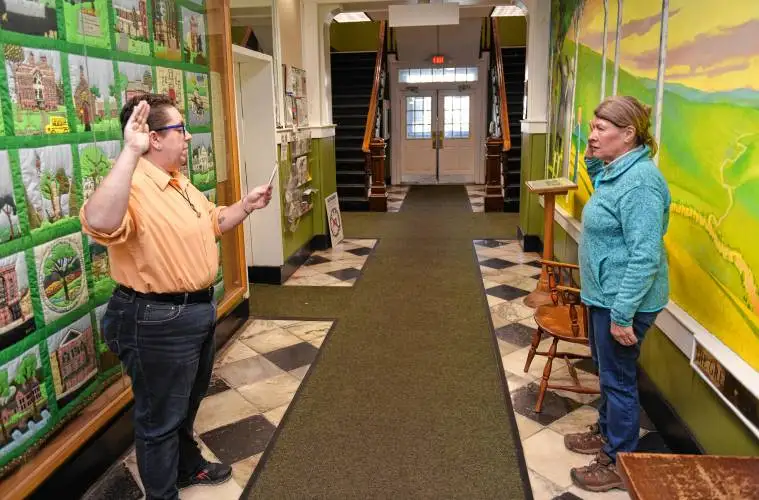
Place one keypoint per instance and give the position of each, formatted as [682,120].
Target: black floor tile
[316,259]
[554,406]
[290,358]
[116,484]
[516,333]
[567,496]
[216,386]
[239,440]
[587,365]
[534,263]
[652,443]
[497,263]
[645,421]
[490,243]
[360,252]
[506,292]
[349,273]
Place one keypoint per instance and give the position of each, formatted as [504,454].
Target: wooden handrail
[505,130]
[372,115]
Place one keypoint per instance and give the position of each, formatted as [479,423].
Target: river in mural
[709,135]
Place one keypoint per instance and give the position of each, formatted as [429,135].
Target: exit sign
[438,59]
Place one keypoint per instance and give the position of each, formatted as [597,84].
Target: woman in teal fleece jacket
[624,274]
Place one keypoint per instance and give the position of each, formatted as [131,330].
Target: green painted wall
[533,167]
[717,429]
[512,31]
[323,172]
[354,37]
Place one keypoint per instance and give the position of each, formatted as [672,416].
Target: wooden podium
[548,189]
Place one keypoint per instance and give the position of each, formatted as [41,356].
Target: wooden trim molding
[372,116]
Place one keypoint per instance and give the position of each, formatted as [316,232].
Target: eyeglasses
[179,126]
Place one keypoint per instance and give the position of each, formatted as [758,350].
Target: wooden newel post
[377,190]
[493,178]
[549,189]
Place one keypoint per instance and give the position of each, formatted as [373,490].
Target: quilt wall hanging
[66,68]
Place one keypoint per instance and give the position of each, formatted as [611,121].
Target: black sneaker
[208,475]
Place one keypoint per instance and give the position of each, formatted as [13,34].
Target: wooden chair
[565,319]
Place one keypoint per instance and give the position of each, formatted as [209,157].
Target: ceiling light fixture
[352,17]
[507,11]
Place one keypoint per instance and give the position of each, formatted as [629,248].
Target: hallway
[405,373]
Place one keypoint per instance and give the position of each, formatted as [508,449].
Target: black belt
[200,296]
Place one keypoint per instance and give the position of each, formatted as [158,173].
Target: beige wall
[288,14]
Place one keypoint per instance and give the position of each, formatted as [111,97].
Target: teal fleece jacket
[623,262]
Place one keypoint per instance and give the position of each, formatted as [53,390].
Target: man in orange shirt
[161,236]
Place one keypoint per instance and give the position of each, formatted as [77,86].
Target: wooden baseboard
[277,275]
[529,242]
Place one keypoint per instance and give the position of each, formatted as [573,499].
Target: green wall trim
[533,167]
[354,37]
[717,429]
[512,31]
[322,166]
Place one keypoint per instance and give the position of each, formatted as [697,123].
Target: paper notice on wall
[219,132]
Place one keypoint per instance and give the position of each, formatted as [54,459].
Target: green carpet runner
[406,398]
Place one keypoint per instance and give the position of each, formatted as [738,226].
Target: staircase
[514,60]
[352,78]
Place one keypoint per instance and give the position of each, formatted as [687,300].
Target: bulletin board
[66,68]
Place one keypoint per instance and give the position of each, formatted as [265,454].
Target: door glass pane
[418,117]
[456,116]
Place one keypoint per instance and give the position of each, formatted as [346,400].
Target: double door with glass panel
[438,146]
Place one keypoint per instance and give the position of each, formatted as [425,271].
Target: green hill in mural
[713,174]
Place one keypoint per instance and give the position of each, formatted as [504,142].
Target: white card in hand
[273,173]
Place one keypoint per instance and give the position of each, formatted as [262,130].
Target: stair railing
[374,143]
[499,140]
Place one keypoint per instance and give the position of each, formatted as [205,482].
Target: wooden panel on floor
[688,477]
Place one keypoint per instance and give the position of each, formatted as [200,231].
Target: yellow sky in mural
[709,52]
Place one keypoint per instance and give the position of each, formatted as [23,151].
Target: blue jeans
[619,409]
[168,352]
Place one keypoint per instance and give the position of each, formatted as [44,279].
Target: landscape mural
[711,77]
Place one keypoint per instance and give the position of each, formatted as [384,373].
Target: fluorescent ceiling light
[352,17]
[507,11]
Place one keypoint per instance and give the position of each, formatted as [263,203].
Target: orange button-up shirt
[162,244]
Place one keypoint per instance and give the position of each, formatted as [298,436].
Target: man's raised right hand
[136,132]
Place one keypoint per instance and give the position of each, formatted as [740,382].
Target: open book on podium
[558,185]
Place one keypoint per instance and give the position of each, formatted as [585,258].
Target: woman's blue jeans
[619,408]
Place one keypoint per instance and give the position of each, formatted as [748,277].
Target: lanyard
[173,183]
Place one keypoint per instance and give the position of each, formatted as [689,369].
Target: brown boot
[588,443]
[600,475]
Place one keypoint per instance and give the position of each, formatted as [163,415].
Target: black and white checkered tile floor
[476,195]
[259,371]
[337,266]
[254,381]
